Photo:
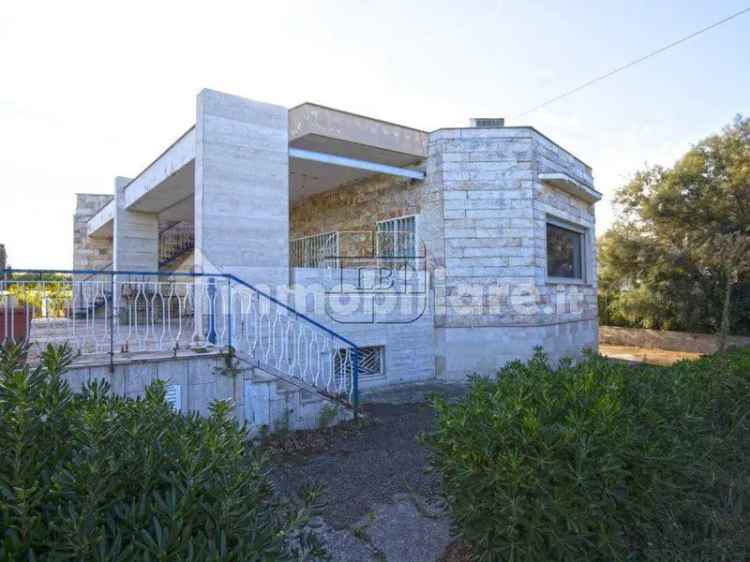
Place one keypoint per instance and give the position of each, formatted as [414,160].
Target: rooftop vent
[488,122]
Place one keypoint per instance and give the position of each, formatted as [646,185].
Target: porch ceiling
[340,133]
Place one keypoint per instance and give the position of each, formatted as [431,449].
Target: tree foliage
[678,256]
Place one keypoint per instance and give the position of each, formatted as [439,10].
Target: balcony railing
[354,248]
[113,313]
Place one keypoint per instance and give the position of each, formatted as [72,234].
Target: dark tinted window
[564,252]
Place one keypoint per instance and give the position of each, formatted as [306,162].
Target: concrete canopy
[167,186]
[330,131]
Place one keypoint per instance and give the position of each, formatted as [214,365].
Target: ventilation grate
[370,362]
[488,122]
[173,396]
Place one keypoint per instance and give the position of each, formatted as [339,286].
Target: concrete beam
[166,181]
[571,186]
[100,225]
[313,119]
[355,163]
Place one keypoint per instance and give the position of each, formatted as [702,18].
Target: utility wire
[633,63]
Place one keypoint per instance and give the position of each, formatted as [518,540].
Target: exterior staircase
[175,241]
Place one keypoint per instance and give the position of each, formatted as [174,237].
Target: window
[314,251]
[564,252]
[397,238]
[370,361]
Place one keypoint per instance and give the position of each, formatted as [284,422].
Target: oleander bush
[600,461]
[94,476]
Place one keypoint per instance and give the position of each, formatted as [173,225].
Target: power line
[633,63]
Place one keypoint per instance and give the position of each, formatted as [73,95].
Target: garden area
[596,461]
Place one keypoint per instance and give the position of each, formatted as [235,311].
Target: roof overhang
[571,186]
[167,180]
[330,148]
[101,224]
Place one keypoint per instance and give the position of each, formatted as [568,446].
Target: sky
[90,91]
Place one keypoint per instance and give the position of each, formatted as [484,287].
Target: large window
[565,252]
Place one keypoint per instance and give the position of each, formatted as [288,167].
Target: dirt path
[380,501]
[642,355]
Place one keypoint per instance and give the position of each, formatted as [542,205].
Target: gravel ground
[380,503]
[364,465]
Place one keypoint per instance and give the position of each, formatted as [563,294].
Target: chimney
[488,122]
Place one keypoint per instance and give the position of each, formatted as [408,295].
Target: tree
[684,234]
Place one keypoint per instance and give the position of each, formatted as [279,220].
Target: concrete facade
[136,235]
[242,189]
[250,177]
[260,400]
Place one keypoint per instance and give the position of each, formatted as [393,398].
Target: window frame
[585,239]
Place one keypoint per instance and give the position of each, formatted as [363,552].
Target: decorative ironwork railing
[114,312]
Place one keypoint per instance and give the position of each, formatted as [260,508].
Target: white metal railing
[318,250]
[393,241]
[114,313]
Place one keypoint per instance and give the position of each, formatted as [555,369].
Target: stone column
[89,253]
[135,240]
[242,189]
[135,235]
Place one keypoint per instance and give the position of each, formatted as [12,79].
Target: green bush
[600,461]
[93,476]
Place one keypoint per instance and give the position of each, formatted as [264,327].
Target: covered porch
[229,195]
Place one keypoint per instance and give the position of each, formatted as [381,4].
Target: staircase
[176,240]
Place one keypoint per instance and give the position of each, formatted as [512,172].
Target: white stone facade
[483,201]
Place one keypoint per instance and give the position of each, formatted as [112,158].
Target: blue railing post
[355,381]
[229,315]
[211,335]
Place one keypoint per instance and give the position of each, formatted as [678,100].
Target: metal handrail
[299,316]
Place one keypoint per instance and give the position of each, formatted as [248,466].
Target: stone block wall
[355,208]
[570,301]
[493,301]
[3,257]
[401,323]
[89,253]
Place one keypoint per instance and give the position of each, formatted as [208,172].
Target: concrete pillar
[242,189]
[135,235]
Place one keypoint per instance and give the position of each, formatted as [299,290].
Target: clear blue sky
[91,91]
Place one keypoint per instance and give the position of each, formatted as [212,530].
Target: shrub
[94,476]
[600,461]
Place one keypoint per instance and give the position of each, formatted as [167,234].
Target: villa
[334,250]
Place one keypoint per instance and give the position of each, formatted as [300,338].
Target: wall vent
[174,396]
[488,122]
